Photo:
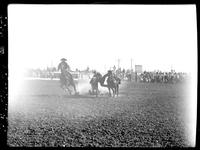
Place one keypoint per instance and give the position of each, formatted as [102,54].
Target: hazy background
[157,37]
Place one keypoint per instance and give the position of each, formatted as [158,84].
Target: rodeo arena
[86,108]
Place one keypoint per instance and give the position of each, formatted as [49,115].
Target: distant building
[138,68]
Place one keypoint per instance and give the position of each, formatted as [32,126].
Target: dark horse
[66,80]
[112,83]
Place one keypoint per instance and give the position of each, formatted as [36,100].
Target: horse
[113,84]
[66,80]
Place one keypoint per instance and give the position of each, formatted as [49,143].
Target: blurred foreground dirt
[144,115]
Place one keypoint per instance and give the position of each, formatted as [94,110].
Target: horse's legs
[114,92]
[63,87]
[70,93]
[74,87]
[109,92]
[117,90]
[93,89]
[71,81]
[96,92]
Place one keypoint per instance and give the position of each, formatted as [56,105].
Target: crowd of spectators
[41,73]
[52,72]
[151,77]
[147,77]
[162,77]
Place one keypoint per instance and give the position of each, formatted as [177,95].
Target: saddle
[66,76]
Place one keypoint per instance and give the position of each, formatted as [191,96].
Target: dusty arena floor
[144,115]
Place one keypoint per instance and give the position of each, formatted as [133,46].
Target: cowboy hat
[109,71]
[63,59]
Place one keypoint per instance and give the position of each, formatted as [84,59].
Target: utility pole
[171,67]
[118,60]
[51,64]
[131,65]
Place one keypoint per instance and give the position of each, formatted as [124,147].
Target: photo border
[4,43]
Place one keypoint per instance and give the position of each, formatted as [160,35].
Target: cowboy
[63,66]
[94,76]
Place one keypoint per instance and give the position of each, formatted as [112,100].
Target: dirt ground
[144,115]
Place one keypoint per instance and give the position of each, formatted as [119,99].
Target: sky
[158,37]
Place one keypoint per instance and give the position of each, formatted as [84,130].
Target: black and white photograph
[99,75]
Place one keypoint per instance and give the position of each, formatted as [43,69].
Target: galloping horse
[66,81]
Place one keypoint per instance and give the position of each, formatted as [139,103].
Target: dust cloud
[84,86]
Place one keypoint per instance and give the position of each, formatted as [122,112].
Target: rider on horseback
[65,68]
